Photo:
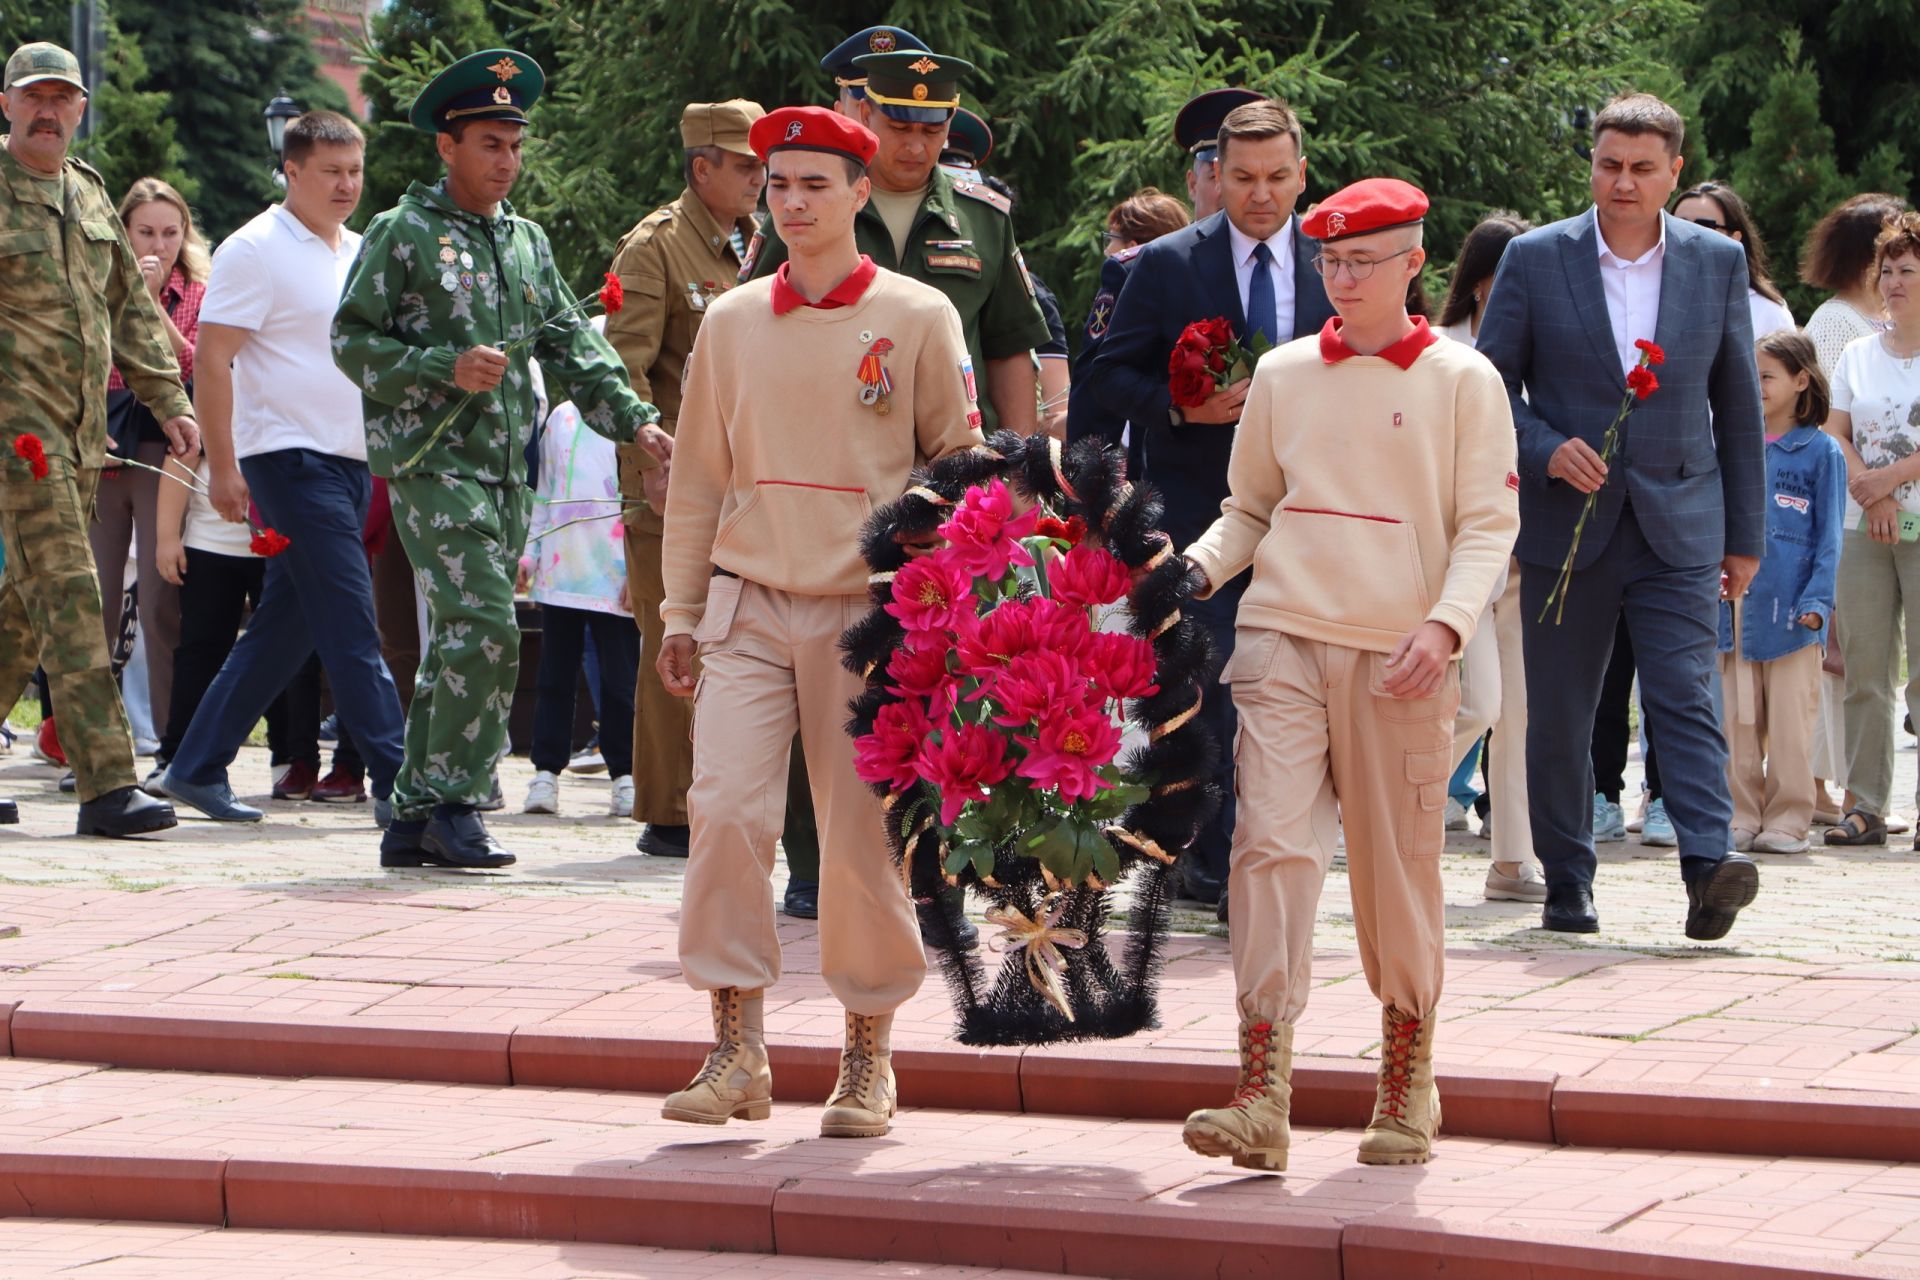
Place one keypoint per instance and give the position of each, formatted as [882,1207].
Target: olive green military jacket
[73,305]
[433,280]
[673,263]
[962,244]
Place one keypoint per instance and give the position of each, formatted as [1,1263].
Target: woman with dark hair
[1718,207]
[1473,273]
[1493,682]
[1839,257]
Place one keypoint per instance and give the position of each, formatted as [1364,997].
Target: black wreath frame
[1086,479]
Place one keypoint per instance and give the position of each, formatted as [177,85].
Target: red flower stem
[189,485]
[1557,598]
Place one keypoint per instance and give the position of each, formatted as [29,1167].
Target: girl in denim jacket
[1771,642]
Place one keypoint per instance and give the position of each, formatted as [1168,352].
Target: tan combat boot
[862,1102]
[1406,1107]
[736,1080]
[1252,1128]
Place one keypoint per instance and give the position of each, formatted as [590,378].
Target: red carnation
[1652,351]
[1642,380]
[1069,531]
[33,453]
[268,542]
[612,296]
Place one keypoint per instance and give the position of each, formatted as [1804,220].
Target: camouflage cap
[720,124]
[32,63]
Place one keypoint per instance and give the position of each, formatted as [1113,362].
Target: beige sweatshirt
[777,463]
[1368,498]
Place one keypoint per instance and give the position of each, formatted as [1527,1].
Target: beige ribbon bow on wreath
[1041,939]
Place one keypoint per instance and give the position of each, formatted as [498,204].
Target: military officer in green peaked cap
[452,296]
[494,84]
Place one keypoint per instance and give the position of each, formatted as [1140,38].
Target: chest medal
[876,384]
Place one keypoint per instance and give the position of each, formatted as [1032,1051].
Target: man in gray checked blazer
[1680,506]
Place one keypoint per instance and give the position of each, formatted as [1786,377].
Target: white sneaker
[622,805]
[1486,826]
[543,794]
[280,772]
[1456,815]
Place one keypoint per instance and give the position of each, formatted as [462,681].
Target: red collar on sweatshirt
[1333,348]
[844,294]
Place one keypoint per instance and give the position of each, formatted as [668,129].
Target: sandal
[1858,828]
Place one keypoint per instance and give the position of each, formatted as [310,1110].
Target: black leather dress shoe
[1716,896]
[125,811]
[9,813]
[1569,909]
[658,841]
[803,900]
[457,837]
[1197,884]
[400,845]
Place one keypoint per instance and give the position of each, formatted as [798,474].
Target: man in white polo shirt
[283,428]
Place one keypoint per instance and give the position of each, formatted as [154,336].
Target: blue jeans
[1460,786]
[318,597]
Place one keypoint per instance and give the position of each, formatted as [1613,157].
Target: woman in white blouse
[1838,257]
[1718,207]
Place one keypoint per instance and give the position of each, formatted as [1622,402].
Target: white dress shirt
[1281,243]
[1633,292]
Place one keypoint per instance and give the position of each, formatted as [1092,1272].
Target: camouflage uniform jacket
[433,280]
[72,305]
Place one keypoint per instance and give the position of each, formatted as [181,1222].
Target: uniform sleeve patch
[753,252]
[1513,481]
[1099,316]
[966,376]
[1021,263]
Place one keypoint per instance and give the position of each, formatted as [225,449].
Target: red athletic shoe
[46,744]
[298,782]
[340,787]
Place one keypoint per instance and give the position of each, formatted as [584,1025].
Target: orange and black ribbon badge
[876,384]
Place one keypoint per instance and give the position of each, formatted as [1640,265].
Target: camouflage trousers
[464,539]
[50,617]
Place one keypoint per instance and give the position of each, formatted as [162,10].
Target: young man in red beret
[1373,492]
[810,396]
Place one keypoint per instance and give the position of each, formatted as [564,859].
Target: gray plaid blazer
[1693,456]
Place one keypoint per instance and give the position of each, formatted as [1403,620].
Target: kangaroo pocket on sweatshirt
[1348,569]
[797,536]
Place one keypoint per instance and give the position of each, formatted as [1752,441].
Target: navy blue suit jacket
[1692,456]
[1177,279]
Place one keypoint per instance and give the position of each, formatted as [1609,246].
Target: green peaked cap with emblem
[914,85]
[494,84]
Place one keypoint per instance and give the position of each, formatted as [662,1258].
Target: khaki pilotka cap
[719,124]
[32,63]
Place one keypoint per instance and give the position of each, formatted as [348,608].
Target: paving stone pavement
[1819,985]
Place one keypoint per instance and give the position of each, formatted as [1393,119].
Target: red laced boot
[1252,1128]
[1406,1107]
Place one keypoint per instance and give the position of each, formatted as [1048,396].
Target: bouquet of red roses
[1009,696]
[1206,358]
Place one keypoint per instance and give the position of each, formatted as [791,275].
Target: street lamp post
[279,111]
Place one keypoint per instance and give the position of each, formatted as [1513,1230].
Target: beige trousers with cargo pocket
[770,665]
[1321,747]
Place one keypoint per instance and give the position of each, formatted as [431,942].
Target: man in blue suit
[1680,509]
[1197,130]
[1248,263]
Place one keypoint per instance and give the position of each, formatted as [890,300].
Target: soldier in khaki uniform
[72,303]
[672,265]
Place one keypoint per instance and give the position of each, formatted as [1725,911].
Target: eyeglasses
[1358,268]
[1710,224]
[1111,237]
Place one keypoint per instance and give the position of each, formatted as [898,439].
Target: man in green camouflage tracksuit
[451,295]
[72,304]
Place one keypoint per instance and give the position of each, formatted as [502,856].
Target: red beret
[812,129]
[1372,204]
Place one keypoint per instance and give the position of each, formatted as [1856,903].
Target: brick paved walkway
[290,927]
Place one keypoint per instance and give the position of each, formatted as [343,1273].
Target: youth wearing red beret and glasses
[762,566]
[1372,490]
